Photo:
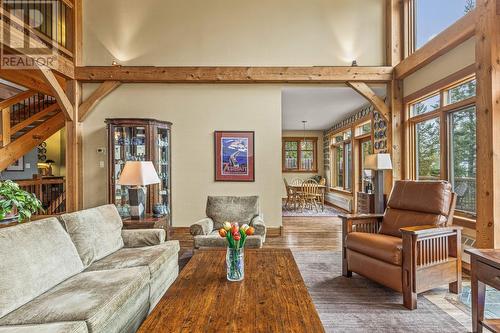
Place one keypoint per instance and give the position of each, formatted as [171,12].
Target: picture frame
[234,156]
[17,165]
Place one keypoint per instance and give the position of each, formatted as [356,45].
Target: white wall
[196,111]
[234,32]
[456,59]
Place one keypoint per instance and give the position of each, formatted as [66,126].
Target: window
[341,152]
[430,17]
[443,140]
[300,154]
[366,149]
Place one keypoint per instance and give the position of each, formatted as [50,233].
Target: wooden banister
[50,191]
[6,126]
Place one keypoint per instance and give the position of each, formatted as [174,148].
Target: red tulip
[250,231]
[222,232]
[237,237]
[234,229]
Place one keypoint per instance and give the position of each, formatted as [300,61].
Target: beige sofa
[82,273]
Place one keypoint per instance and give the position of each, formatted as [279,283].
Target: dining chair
[291,195]
[310,194]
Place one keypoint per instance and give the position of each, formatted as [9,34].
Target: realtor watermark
[26,28]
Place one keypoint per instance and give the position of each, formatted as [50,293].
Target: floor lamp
[378,163]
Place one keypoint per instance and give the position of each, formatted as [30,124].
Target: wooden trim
[273,232]
[27,78]
[448,39]
[35,117]
[91,102]
[462,75]
[59,94]
[9,154]
[364,90]
[394,32]
[320,74]
[16,99]
[6,132]
[298,140]
[74,152]
[488,123]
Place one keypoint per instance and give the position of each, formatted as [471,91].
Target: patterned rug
[358,305]
[329,211]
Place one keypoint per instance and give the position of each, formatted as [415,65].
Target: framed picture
[17,165]
[234,156]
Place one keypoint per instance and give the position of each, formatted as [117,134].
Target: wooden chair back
[287,187]
[310,188]
[297,182]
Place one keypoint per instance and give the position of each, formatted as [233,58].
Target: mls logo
[30,32]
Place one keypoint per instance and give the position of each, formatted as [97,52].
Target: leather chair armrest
[428,230]
[143,237]
[202,228]
[360,216]
[259,225]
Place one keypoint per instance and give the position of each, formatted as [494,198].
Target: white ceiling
[320,106]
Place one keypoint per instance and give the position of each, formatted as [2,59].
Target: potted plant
[16,203]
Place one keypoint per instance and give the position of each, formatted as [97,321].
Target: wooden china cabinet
[137,139]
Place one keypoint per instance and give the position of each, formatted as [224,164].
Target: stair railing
[51,191]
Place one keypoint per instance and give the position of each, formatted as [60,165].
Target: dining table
[322,189]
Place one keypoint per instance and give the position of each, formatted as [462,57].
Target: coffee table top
[271,298]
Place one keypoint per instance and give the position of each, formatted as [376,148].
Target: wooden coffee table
[271,298]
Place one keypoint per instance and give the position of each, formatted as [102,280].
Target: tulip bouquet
[236,237]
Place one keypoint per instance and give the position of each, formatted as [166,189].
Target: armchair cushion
[202,227]
[142,237]
[414,203]
[382,247]
[421,196]
[232,209]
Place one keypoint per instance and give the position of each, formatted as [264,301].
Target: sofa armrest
[259,226]
[202,227]
[143,237]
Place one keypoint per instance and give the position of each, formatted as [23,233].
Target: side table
[485,270]
[149,222]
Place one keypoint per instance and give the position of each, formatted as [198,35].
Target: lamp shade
[138,173]
[378,162]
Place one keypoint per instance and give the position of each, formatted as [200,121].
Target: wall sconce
[354,63]
[115,63]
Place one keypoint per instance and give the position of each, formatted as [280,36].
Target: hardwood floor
[325,234]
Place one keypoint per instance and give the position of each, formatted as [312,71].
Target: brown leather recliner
[410,248]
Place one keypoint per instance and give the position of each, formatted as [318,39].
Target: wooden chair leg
[345,271]
[409,297]
[456,287]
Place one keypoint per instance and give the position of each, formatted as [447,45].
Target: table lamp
[138,174]
[379,163]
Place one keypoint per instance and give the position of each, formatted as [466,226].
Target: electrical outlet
[101,164]
[27,166]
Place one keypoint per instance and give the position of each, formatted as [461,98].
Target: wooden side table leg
[478,290]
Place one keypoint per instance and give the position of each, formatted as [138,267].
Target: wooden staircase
[28,119]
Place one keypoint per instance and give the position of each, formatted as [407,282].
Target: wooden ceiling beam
[364,90]
[448,39]
[91,102]
[131,74]
[58,91]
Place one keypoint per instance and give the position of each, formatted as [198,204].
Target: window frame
[333,159]
[443,113]
[299,168]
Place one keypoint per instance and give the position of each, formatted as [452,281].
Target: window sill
[464,222]
[299,171]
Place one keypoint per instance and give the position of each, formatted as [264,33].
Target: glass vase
[235,262]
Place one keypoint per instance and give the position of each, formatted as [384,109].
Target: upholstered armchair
[411,248]
[231,209]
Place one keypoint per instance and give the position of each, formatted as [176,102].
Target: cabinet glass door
[130,144]
[163,167]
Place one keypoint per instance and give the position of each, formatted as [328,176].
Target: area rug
[329,211]
[358,305]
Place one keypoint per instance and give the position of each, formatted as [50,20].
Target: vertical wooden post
[74,172]
[488,123]
[394,55]
[5,126]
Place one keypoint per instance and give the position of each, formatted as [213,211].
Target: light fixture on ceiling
[354,63]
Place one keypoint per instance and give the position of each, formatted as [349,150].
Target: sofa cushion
[433,197]
[214,240]
[34,257]
[96,232]
[382,247]
[93,297]
[68,327]
[394,219]
[152,257]
[232,209]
